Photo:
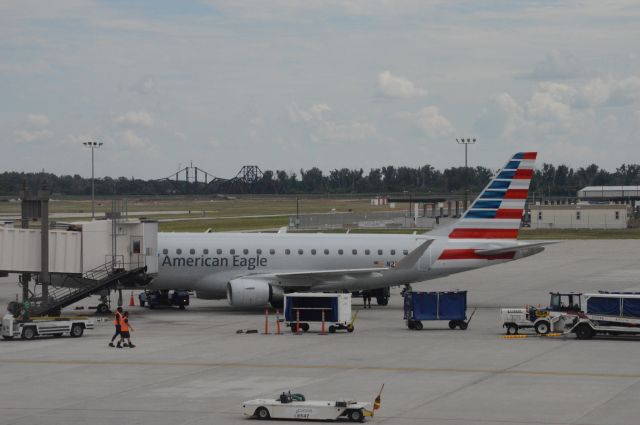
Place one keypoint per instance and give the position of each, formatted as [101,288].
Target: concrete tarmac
[190,367]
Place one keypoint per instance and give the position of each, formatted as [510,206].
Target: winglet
[409,261]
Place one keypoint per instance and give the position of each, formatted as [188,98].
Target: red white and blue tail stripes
[497,212]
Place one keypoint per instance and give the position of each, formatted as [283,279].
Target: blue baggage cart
[447,305]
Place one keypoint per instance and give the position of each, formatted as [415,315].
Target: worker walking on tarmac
[366,296]
[124,334]
[117,321]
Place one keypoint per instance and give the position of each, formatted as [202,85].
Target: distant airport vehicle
[44,326]
[543,320]
[155,299]
[612,313]
[296,406]
[252,269]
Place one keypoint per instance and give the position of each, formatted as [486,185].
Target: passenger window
[165,251]
[393,252]
[192,251]
[218,251]
[367,252]
[272,251]
[287,251]
[205,251]
[313,252]
[258,251]
[326,252]
[178,251]
[232,251]
[245,251]
[300,252]
[379,252]
[354,251]
[340,252]
[405,252]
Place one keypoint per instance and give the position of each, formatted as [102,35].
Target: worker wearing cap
[117,321]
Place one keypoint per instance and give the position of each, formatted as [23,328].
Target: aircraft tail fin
[496,213]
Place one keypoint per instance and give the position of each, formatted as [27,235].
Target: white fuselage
[206,262]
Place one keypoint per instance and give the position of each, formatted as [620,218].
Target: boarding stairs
[76,288]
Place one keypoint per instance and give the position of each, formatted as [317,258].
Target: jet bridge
[83,259]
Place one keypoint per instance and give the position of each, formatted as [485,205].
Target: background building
[580,216]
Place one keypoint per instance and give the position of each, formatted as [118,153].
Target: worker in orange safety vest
[117,321]
[124,333]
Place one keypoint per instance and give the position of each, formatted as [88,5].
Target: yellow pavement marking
[85,362]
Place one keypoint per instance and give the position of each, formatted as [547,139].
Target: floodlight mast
[466,142]
[93,146]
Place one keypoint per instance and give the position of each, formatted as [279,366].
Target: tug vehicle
[563,307]
[74,327]
[296,406]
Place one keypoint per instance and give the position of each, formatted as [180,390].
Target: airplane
[255,269]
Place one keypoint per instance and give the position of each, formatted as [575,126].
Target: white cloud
[398,87]
[32,135]
[433,124]
[321,128]
[132,140]
[135,118]
[38,120]
[556,66]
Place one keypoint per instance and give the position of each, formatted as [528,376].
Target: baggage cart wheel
[410,324]
[542,327]
[182,307]
[332,329]
[350,328]
[584,332]
[102,308]
[29,332]
[463,325]
[304,327]
[417,325]
[262,413]
[452,324]
[77,330]
[512,329]
[356,416]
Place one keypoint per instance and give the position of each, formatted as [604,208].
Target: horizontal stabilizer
[515,248]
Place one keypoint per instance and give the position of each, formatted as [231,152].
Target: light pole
[466,143]
[92,145]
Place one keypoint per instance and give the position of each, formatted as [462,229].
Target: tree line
[548,180]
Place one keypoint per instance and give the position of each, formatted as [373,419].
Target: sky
[286,84]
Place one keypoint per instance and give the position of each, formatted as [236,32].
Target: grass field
[197,214]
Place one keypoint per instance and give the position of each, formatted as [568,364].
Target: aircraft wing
[314,277]
[514,248]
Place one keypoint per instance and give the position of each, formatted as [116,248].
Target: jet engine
[243,292]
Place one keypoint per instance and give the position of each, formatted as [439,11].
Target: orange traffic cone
[132,302]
